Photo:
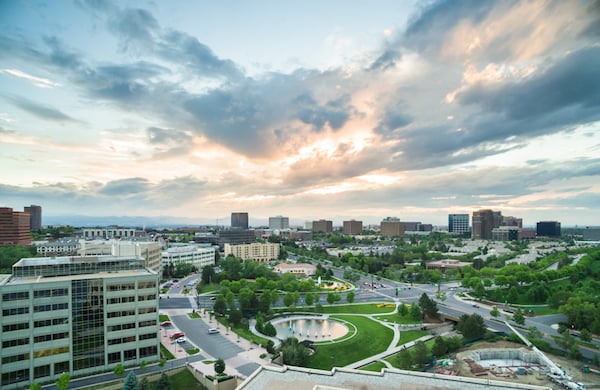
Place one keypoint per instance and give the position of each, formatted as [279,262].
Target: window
[114,357]
[147,336]
[61,367]
[15,311]
[14,343]
[15,358]
[15,376]
[13,327]
[41,371]
[15,296]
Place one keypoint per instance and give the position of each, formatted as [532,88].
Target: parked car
[213,331]
[180,340]
[177,335]
[166,324]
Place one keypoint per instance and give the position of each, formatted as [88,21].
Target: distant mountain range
[153,222]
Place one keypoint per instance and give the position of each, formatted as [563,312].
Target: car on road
[475,305]
[212,298]
[180,340]
[177,335]
[213,331]
[166,324]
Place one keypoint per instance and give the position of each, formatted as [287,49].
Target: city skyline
[341,110]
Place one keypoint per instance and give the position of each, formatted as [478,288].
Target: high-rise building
[279,222]
[14,227]
[35,217]
[78,315]
[391,227]
[322,226]
[239,220]
[353,227]
[512,221]
[458,223]
[484,221]
[548,229]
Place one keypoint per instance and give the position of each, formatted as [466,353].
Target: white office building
[79,315]
[198,256]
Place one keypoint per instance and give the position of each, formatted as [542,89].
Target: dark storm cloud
[572,82]
[334,113]
[39,110]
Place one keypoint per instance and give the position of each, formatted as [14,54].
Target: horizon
[336,110]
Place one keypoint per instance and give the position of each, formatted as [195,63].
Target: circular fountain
[309,328]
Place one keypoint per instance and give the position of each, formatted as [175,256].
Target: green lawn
[182,380]
[163,318]
[375,366]
[361,308]
[393,358]
[166,353]
[410,335]
[206,288]
[361,346]
[539,310]
[397,318]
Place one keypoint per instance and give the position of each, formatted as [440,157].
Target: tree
[309,299]
[405,360]
[219,366]
[586,335]
[269,330]
[350,297]
[440,347]
[163,383]
[131,382]
[63,381]
[119,370]
[235,317]
[294,353]
[220,306]
[415,312]
[513,295]
[471,326]
[208,273]
[428,306]
[288,299]
[420,357]
[494,312]
[144,384]
[518,317]
[402,309]
[35,386]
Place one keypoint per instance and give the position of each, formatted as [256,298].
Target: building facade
[391,228]
[257,251]
[14,227]
[279,223]
[298,269]
[353,227]
[150,251]
[322,226]
[107,233]
[60,247]
[78,315]
[198,256]
[506,233]
[35,217]
[484,221]
[239,220]
[548,229]
[458,223]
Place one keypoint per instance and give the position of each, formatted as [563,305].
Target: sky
[338,109]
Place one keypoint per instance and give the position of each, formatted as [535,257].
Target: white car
[180,340]
[213,331]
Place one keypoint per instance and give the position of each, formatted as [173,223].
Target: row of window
[55,292]
[117,300]
[15,358]
[121,340]
[55,306]
[49,337]
[13,327]
[15,296]
[15,342]
[116,328]
[54,321]
[126,313]
[121,287]
[38,372]
[15,311]
[50,352]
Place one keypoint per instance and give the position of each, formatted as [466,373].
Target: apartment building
[79,315]
[322,226]
[353,227]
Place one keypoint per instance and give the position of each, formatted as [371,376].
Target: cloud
[37,81]
[334,113]
[125,187]
[134,26]
[39,110]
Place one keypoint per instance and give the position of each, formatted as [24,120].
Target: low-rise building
[198,256]
[60,247]
[299,269]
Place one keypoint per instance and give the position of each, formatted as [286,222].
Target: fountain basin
[309,328]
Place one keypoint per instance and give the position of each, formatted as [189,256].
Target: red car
[166,324]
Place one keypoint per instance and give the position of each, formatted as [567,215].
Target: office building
[506,233]
[484,221]
[108,233]
[35,218]
[78,315]
[591,234]
[150,251]
[257,251]
[239,220]
[14,227]
[236,237]
[198,256]
[298,269]
[548,229]
[353,227]
[512,221]
[458,223]
[391,227]
[279,223]
[322,226]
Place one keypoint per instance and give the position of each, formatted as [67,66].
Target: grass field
[361,346]
[410,335]
[397,318]
[375,366]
